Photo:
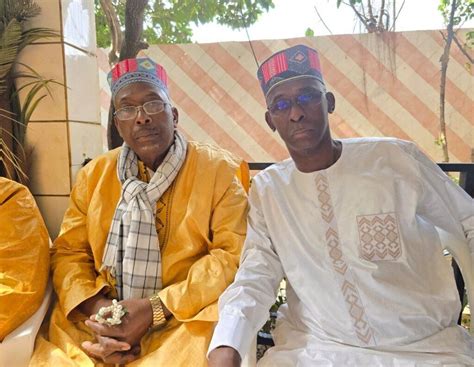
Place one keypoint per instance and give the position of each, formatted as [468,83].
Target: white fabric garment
[132,252]
[367,283]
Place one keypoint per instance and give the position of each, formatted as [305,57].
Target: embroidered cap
[137,70]
[291,63]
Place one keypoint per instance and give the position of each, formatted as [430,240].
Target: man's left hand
[109,350]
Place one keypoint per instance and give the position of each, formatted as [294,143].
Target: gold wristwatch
[159,318]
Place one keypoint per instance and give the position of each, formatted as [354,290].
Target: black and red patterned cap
[291,63]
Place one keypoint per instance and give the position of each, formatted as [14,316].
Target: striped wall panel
[385,85]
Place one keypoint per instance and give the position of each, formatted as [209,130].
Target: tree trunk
[131,46]
[132,43]
[442,92]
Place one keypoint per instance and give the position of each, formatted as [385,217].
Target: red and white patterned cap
[137,70]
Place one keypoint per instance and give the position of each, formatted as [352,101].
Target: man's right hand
[224,357]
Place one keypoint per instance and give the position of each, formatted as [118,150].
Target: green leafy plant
[14,116]
[166,21]
[129,26]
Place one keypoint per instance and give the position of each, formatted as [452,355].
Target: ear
[175,113]
[269,121]
[331,102]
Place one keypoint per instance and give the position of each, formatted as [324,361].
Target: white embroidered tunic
[367,282]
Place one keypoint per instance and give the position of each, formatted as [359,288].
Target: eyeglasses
[283,106]
[131,112]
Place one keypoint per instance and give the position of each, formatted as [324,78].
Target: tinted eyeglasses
[283,105]
[131,112]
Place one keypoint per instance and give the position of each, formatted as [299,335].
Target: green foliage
[20,10]
[14,117]
[170,21]
[309,32]
[10,39]
[464,12]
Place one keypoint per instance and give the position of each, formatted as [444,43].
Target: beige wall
[385,85]
[65,128]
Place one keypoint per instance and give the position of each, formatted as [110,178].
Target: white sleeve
[445,203]
[244,306]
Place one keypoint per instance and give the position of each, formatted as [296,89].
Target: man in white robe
[351,225]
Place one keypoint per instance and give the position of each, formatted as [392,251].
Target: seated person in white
[351,225]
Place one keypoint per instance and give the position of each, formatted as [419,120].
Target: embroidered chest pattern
[344,276]
[379,237]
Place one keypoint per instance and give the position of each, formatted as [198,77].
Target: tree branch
[369,9]
[463,49]
[380,23]
[392,28]
[442,92]
[115,31]
[360,16]
[321,19]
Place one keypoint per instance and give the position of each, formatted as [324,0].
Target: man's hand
[135,323]
[120,344]
[92,305]
[224,357]
[109,350]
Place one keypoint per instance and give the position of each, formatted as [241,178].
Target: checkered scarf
[132,252]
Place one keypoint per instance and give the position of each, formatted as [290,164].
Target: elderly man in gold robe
[24,256]
[158,226]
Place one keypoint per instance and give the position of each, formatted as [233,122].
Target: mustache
[301,128]
[145,132]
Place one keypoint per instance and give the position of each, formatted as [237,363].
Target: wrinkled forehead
[293,86]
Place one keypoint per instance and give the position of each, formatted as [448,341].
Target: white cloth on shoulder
[132,252]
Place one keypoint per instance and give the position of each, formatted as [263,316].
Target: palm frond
[10,39]
[35,78]
[30,103]
[9,161]
[34,34]
[13,39]
[20,10]
[7,114]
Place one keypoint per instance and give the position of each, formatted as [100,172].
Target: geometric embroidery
[344,276]
[378,237]
[160,205]
[299,57]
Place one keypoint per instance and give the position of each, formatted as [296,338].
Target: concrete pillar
[65,128]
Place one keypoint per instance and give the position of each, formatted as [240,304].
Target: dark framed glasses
[131,112]
[283,105]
